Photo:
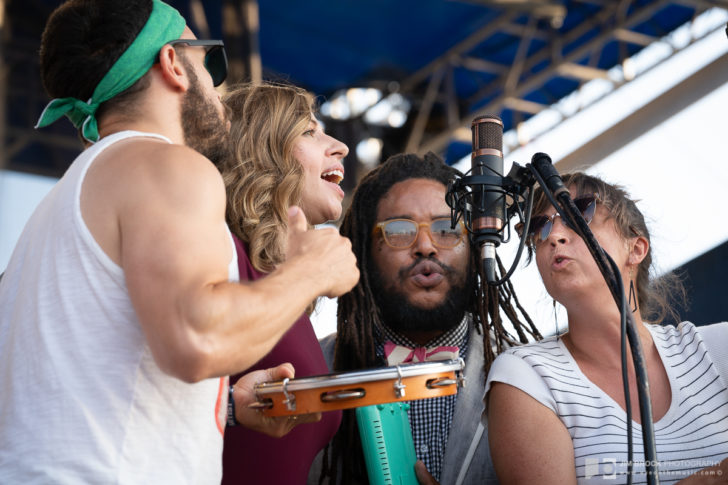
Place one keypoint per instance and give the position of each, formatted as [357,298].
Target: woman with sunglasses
[281,158]
[556,408]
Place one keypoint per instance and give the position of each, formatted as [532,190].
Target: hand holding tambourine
[329,392]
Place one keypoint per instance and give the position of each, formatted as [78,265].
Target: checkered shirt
[431,418]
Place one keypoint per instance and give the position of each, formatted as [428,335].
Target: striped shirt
[692,435]
[431,418]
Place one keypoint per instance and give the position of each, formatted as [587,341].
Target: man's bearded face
[205,129]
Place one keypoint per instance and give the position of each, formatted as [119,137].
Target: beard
[399,314]
[204,129]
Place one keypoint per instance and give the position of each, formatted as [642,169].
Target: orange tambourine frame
[405,382]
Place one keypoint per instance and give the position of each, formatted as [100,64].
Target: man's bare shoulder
[143,181]
[152,163]
[152,152]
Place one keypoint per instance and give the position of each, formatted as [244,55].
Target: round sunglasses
[402,233]
[541,225]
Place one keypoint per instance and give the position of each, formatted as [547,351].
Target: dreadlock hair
[358,313]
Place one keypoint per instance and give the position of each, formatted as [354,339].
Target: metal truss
[543,52]
[443,116]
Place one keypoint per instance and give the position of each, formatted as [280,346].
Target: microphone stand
[554,189]
[460,201]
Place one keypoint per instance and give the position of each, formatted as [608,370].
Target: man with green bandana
[120,314]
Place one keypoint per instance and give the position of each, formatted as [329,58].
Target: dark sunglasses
[402,233]
[215,59]
[541,225]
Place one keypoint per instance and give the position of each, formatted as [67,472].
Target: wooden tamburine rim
[346,390]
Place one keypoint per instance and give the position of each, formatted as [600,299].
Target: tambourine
[345,390]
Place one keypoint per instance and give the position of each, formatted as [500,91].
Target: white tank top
[81,398]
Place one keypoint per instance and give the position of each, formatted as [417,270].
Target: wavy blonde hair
[262,178]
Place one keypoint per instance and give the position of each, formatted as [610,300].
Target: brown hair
[82,40]
[654,295]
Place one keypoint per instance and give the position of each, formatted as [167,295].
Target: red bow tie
[399,354]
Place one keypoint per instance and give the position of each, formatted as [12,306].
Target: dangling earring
[632,295]
[556,322]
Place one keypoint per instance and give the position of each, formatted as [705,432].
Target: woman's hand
[244,394]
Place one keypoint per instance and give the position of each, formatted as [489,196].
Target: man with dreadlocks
[418,288]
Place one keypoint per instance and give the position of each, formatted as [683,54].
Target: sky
[678,170]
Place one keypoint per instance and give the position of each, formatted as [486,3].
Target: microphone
[488,212]
[549,177]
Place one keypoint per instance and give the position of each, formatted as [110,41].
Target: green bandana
[164,24]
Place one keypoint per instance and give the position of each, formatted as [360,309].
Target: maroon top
[253,458]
